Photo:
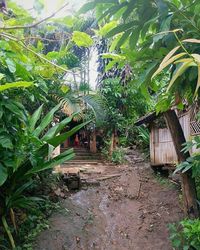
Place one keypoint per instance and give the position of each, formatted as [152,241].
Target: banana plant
[38,142]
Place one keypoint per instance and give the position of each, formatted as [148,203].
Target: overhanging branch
[34,24]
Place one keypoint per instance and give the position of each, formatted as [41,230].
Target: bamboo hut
[162,151]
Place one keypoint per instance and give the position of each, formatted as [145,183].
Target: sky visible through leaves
[49,7]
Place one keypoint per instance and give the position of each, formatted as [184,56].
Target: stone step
[86,153]
[81,163]
[83,157]
[87,157]
[82,152]
[77,149]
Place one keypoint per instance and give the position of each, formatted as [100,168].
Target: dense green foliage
[151,56]
[144,32]
[124,106]
[33,68]
[186,235]
[160,41]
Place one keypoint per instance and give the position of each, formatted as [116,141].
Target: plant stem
[5,225]
[41,57]
[182,46]
[13,219]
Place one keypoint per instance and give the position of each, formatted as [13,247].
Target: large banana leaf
[34,118]
[183,67]
[57,128]
[46,121]
[65,156]
[61,138]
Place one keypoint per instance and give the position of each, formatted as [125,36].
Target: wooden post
[188,182]
[111,144]
[93,144]
[115,139]
[55,153]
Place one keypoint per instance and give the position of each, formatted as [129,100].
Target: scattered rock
[59,193]
[72,180]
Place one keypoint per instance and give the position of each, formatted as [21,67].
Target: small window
[194,123]
[195,128]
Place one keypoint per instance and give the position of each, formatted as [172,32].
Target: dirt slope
[128,212]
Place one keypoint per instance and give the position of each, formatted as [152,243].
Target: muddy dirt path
[128,212]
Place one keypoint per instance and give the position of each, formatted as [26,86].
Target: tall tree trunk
[188,182]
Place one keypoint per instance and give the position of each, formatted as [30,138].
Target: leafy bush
[144,137]
[30,224]
[185,235]
[118,156]
[193,161]
[123,141]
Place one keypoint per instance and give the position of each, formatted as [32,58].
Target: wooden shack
[162,151]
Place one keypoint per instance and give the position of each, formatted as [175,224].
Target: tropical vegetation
[148,60]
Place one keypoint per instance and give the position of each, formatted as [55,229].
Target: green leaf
[120,28]
[107,27]
[61,138]
[178,169]
[57,128]
[6,142]
[110,65]
[166,63]
[16,108]
[123,38]
[134,38]
[198,80]
[45,121]
[3,174]
[65,88]
[19,84]
[179,72]
[86,7]
[92,4]
[187,168]
[113,10]
[113,56]
[82,39]
[129,9]
[1,76]
[34,118]
[11,65]
[65,156]
[114,42]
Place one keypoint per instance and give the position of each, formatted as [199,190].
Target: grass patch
[164,181]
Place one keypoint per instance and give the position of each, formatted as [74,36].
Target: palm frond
[97,105]
[71,103]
